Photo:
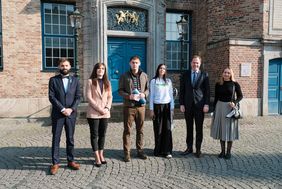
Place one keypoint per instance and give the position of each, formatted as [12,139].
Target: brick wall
[234,18]
[251,86]
[239,19]
[22,50]
[217,60]
[233,56]
[200,29]
[180,4]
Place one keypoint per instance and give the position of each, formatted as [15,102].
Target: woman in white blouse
[161,111]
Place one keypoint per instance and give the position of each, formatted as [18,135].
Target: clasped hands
[136,97]
[67,112]
[232,104]
[105,111]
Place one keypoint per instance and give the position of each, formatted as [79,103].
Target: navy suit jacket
[60,99]
[198,94]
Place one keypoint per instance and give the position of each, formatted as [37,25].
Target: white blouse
[161,92]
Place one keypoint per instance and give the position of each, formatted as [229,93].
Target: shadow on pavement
[264,166]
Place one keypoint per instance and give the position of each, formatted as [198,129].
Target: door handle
[116,72]
[281,88]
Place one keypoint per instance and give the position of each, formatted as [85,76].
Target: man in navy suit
[64,95]
[194,99]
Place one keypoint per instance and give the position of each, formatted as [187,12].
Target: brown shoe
[126,158]
[73,165]
[54,169]
[141,155]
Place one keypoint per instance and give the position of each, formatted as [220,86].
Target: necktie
[194,78]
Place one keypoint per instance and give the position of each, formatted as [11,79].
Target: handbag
[236,112]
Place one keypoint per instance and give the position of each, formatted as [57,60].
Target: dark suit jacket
[199,94]
[59,99]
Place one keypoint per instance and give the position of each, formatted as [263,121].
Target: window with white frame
[173,42]
[58,35]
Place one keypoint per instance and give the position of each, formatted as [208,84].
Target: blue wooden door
[119,52]
[275,87]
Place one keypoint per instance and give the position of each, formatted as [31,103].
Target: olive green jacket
[126,87]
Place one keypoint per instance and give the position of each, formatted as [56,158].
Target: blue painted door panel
[119,52]
[275,87]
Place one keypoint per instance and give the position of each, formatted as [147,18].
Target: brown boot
[54,169]
[126,157]
[142,155]
[73,165]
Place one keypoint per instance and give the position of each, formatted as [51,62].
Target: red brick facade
[224,32]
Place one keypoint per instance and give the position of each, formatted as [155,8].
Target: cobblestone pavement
[256,162]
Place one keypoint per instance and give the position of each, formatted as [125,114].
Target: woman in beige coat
[99,96]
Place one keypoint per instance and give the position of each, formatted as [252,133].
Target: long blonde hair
[232,78]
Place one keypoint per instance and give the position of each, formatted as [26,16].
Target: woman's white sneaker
[168,156]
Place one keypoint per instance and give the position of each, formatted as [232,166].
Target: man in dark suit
[194,99]
[64,95]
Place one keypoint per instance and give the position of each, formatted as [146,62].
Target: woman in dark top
[223,128]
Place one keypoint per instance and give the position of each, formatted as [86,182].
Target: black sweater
[224,92]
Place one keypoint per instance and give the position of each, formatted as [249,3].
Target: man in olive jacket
[134,110]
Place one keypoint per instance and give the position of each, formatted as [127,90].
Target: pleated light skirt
[223,128]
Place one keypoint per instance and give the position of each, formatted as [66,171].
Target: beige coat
[97,102]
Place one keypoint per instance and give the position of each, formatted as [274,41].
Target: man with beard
[64,95]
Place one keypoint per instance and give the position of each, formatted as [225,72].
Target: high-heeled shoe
[104,162]
[98,164]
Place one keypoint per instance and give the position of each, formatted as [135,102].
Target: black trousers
[162,129]
[98,128]
[57,127]
[194,114]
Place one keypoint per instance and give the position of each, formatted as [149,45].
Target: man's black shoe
[187,151]
[198,154]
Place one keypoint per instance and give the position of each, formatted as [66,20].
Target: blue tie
[194,78]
